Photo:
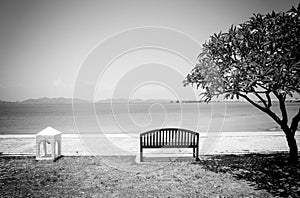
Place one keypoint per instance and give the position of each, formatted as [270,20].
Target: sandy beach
[128,144]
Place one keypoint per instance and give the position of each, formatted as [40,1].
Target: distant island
[59,100]
[62,100]
[46,100]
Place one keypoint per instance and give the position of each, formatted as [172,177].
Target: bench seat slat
[157,138]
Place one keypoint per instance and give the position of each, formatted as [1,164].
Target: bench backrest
[169,137]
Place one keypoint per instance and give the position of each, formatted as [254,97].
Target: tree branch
[269,100]
[261,99]
[267,111]
[252,102]
[262,86]
[254,91]
[281,99]
[295,121]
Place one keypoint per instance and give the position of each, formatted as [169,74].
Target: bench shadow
[58,158]
[168,159]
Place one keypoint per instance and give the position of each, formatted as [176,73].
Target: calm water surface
[134,118]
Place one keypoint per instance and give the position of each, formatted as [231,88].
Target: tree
[260,57]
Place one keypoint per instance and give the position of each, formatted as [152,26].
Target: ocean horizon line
[67,100]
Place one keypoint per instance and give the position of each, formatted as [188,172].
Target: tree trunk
[293,155]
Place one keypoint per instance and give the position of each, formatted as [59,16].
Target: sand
[128,144]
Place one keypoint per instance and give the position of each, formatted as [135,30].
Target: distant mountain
[2,101]
[60,100]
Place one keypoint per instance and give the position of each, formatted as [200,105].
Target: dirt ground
[252,175]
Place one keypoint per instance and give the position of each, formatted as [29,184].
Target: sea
[116,118]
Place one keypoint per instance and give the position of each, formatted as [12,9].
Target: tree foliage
[260,57]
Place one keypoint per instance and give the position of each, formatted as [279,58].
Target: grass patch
[215,176]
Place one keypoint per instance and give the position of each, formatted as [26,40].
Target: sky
[102,49]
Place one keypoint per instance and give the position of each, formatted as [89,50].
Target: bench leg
[197,154]
[141,155]
[194,152]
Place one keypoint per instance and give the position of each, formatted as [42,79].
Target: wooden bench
[170,138]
